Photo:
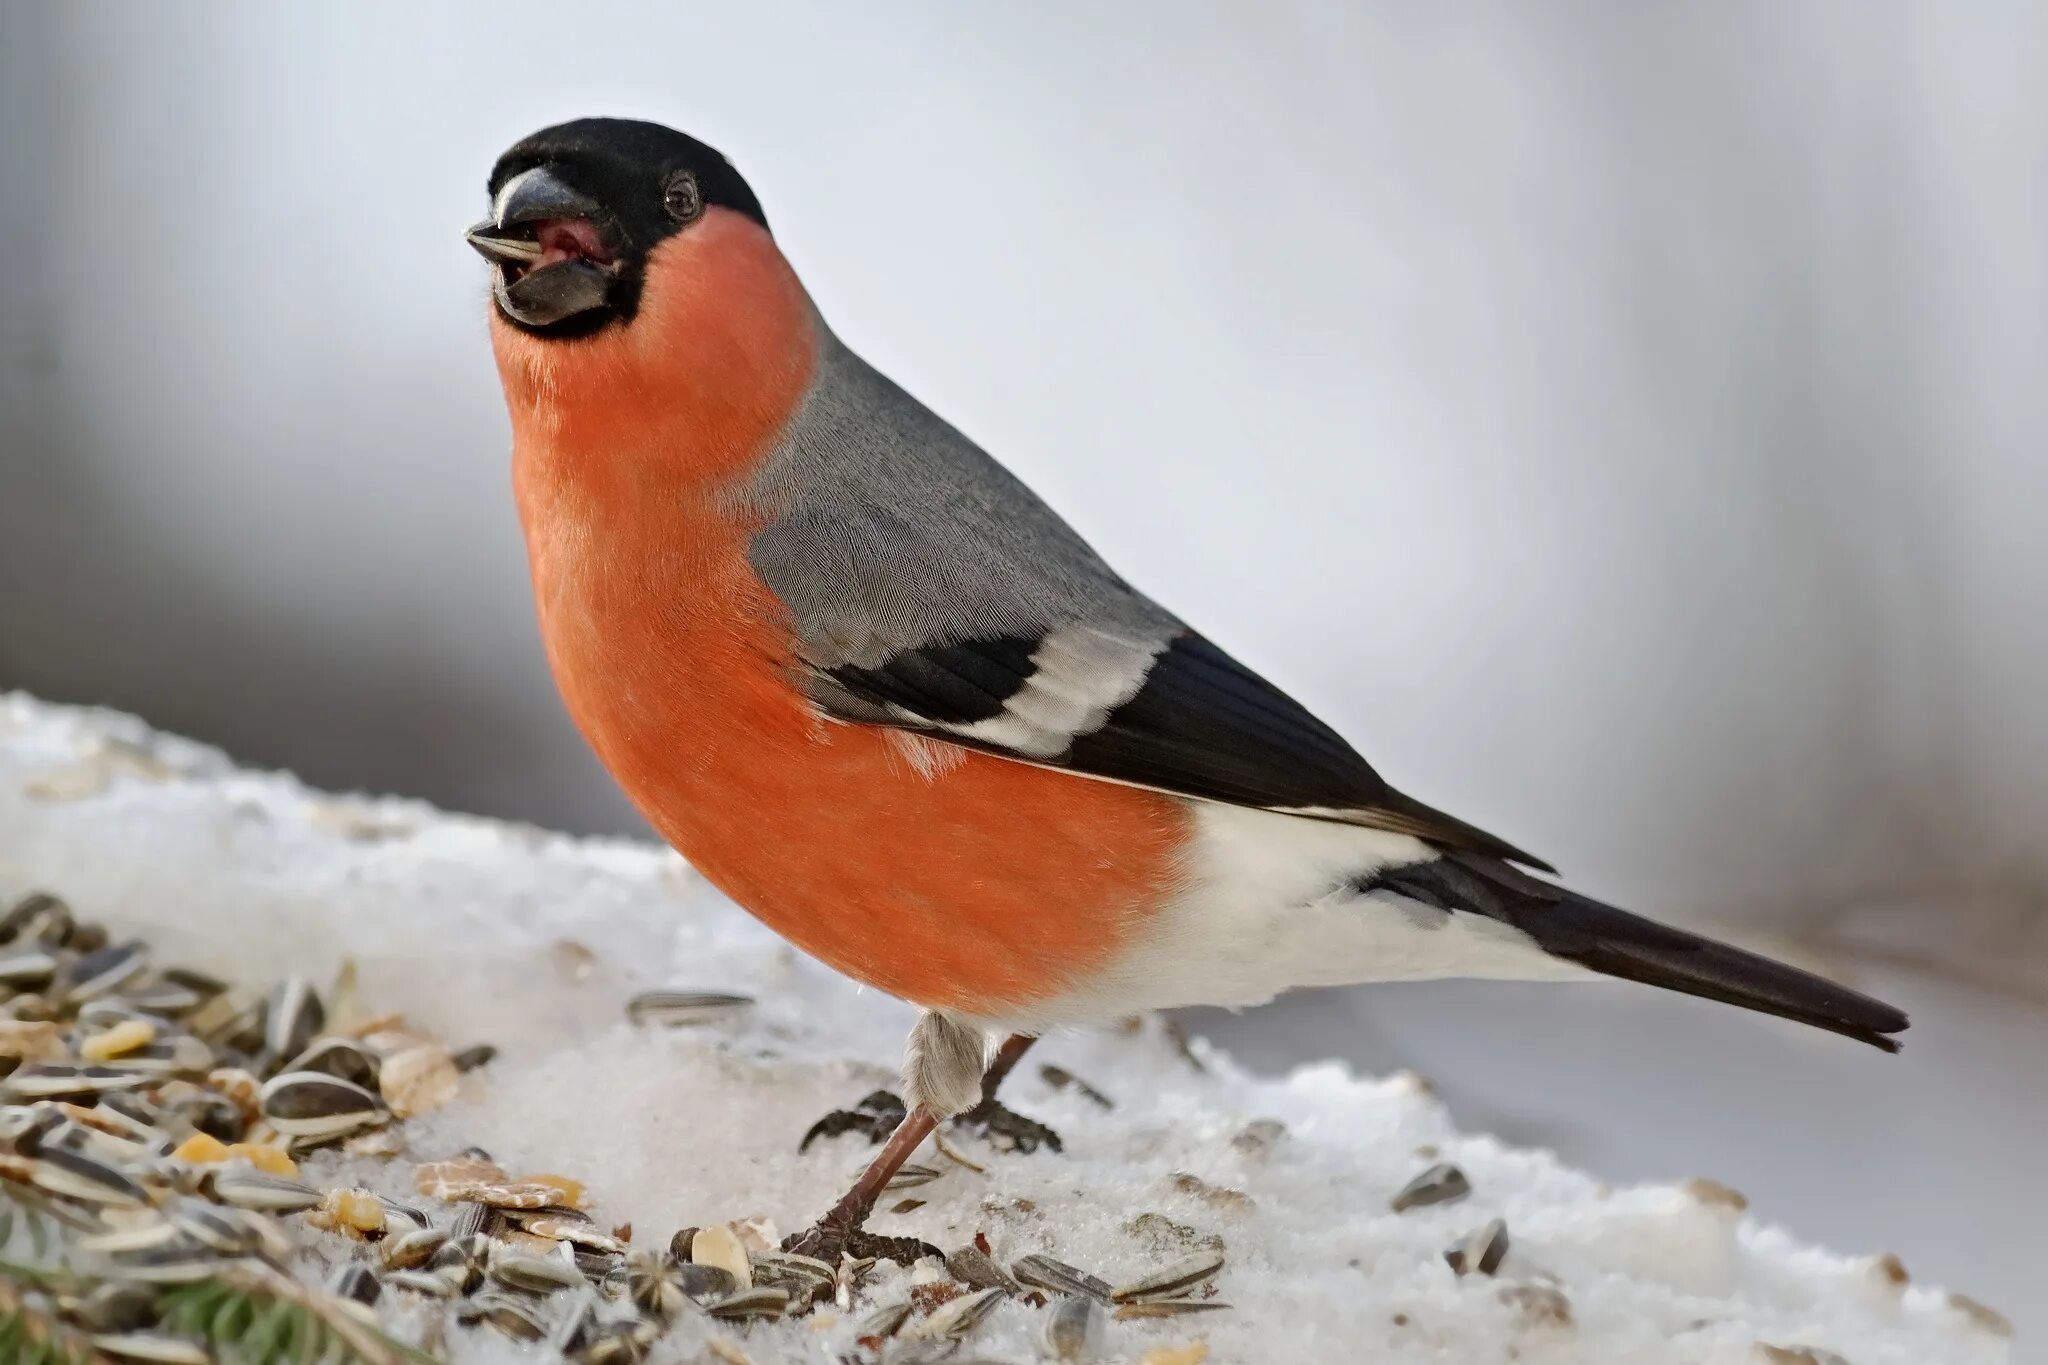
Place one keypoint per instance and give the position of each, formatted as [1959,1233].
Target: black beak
[538,297]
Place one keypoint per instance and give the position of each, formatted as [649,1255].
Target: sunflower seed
[750,1303]
[120,1306]
[1072,1327]
[314,1105]
[1043,1272]
[411,1250]
[165,999]
[785,1267]
[705,1282]
[26,913]
[1178,1278]
[77,1176]
[972,1267]
[27,971]
[884,1322]
[176,1264]
[142,1235]
[292,1018]
[956,1317]
[340,1057]
[670,1009]
[717,1245]
[225,1230]
[652,1285]
[153,1346]
[95,974]
[470,1058]
[248,1188]
[910,1175]
[421,1282]
[176,1056]
[355,1283]
[1059,1078]
[534,1274]
[1482,1251]
[56,1081]
[1442,1183]
[1168,1308]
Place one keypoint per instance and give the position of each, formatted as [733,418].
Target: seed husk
[1043,1272]
[27,912]
[1059,1078]
[421,1282]
[411,1250]
[957,1317]
[342,1057]
[117,1306]
[1071,1327]
[750,1303]
[911,1175]
[673,1009]
[972,1267]
[160,1347]
[1170,1281]
[886,1321]
[314,1105]
[292,1017]
[248,1188]
[1482,1251]
[27,971]
[705,1282]
[78,1176]
[1168,1308]
[535,1274]
[419,1080]
[718,1246]
[98,973]
[355,1282]
[1442,1183]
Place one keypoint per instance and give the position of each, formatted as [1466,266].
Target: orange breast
[988,884]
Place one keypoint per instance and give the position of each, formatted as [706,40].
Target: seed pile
[158,1116]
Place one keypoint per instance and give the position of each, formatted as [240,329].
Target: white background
[1627,422]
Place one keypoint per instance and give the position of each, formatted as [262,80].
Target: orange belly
[988,884]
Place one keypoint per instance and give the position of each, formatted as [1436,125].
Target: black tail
[1616,943]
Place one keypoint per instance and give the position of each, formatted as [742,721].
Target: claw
[876,1116]
[1008,1129]
[828,1241]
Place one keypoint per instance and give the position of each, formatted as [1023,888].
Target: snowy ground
[488,932]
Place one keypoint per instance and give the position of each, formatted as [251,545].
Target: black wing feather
[1201,725]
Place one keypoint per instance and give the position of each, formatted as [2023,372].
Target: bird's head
[636,285]
[579,211]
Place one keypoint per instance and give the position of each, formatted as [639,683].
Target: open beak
[545,239]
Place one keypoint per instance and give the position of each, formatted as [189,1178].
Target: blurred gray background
[1626,421]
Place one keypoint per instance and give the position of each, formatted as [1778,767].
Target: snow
[488,932]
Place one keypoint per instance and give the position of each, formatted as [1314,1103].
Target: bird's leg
[942,1070]
[841,1231]
[998,1122]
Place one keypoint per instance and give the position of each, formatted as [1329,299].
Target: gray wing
[931,591]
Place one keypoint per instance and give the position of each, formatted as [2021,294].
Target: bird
[879,693]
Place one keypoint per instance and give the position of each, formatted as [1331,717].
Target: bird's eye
[683,200]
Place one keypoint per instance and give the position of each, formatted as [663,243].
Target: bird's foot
[829,1239]
[1007,1129]
[877,1116]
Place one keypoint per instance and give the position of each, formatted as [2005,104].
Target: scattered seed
[418,1080]
[355,1283]
[750,1303]
[1442,1183]
[1059,1078]
[312,1104]
[153,1346]
[912,1175]
[1168,1308]
[77,1176]
[340,1057]
[1482,1251]
[30,971]
[956,1318]
[411,1250]
[535,1274]
[292,1017]
[1257,1137]
[470,1058]
[1178,1278]
[972,1267]
[884,1322]
[1072,1327]
[97,973]
[671,1009]
[420,1282]
[247,1188]
[1043,1272]
[718,1246]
